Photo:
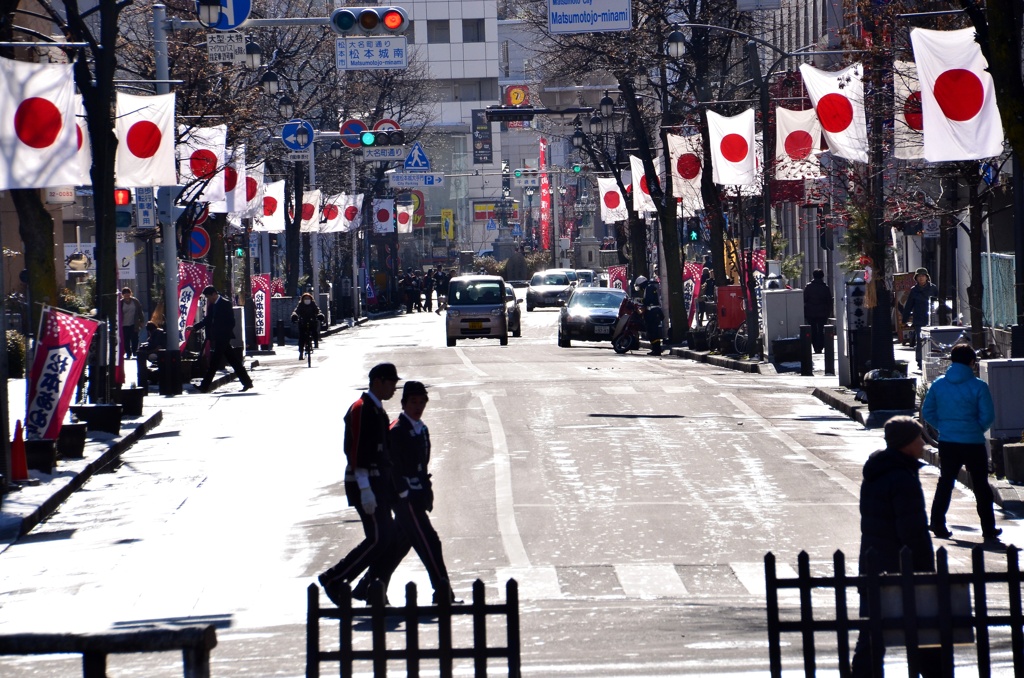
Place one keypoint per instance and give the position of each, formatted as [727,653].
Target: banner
[838,98]
[692,271]
[545,197]
[732,148]
[617,277]
[613,204]
[908,141]
[261,307]
[61,353]
[192,278]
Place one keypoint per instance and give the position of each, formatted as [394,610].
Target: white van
[476,309]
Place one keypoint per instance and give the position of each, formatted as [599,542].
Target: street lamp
[336,150]
[286,107]
[209,12]
[270,83]
[301,136]
[253,55]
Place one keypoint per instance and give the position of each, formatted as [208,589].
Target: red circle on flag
[403,218]
[203,163]
[688,166]
[734,147]
[798,144]
[143,139]
[81,136]
[643,185]
[37,122]
[350,212]
[959,94]
[383,215]
[835,112]
[251,188]
[912,112]
[307,211]
[612,200]
[330,212]
[269,206]
[230,178]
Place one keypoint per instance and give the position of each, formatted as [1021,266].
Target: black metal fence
[379,618]
[913,610]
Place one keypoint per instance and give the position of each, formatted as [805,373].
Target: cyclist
[308,315]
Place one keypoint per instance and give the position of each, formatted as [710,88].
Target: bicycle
[307,329]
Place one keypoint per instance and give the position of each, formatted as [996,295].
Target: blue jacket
[959,406]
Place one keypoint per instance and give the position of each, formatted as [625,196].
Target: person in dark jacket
[918,306]
[654,317]
[959,406]
[817,308]
[219,324]
[308,315]
[369,485]
[892,516]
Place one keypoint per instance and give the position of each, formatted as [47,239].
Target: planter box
[131,401]
[1013,462]
[71,441]
[106,418]
[698,340]
[41,455]
[786,350]
[891,394]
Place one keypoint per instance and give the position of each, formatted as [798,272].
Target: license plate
[476,325]
[602,329]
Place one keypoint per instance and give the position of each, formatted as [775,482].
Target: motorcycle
[626,333]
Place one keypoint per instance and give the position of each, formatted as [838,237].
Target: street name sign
[589,16]
[412,180]
[384,153]
[371,53]
[300,156]
[526,181]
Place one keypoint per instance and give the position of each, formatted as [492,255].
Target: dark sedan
[589,315]
[548,288]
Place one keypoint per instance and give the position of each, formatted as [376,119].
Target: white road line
[503,502]
[468,363]
[535,583]
[651,580]
[619,390]
[751,575]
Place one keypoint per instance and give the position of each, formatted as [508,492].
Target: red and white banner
[261,307]
[642,200]
[39,143]
[145,140]
[403,217]
[271,218]
[253,191]
[383,215]
[61,353]
[908,141]
[617,277]
[310,212]
[732,148]
[685,154]
[545,196]
[84,147]
[342,212]
[192,278]
[613,203]
[692,271]
[233,174]
[958,98]
[201,156]
[797,144]
[838,98]
[277,287]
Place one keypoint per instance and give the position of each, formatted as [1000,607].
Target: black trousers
[953,457]
[219,352]
[817,333]
[414,531]
[131,340]
[377,547]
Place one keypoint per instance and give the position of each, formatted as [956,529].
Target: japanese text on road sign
[225,48]
[363,54]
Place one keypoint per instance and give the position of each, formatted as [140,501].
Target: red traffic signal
[354,21]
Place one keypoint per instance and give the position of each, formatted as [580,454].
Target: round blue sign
[350,131]
[233,13]
[199,242]
[290,137]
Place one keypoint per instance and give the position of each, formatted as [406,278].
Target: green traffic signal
[239,251]
[693,235]
[367,138]
[518,174]
[577,168]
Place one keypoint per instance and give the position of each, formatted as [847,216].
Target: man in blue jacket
[959,406]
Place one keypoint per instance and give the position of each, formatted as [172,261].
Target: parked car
[586,277]
[515,314]
[548,288]
[589,315]
[569,272]
[477,308]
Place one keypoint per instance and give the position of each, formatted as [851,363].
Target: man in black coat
[918,306]
[219,324]
[892,516]
[817,308]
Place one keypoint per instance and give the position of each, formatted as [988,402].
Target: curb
[748,366]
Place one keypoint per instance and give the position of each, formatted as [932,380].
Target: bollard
[830,350]
[806,362]
[169,372]
[280,333]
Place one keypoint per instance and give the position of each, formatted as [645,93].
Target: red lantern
[122,196]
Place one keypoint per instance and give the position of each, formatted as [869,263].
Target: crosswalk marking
[751,575]
[535,583]
[619,390]
[556,391]
[650,580]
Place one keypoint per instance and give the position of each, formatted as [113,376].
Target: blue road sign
[233,13]
[417,161]
[492,225]
[290,137]
[350,131]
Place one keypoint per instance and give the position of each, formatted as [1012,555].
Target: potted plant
[104,417]
[889,390]
[41,454]
[131,400]
[71,440]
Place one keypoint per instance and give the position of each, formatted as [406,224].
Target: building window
[473,30]
[410,33]
[439,31]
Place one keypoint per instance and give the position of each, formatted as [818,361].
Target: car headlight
[577,319]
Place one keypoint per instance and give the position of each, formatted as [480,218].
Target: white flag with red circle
[613,203]
[838,98]
[310,222]
[145,140]
[642,200]
[201,156]
[343,212]
[84,147]
[253,190]
[233,175]
[271,217]
[797,144]
[958,98]
[383,215]
[732,148]
[908,141]
[403,217]
[332,213]
[39,142]
[686,156]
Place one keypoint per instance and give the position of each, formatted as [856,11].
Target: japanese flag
[39,138]
[907,137]
[201,155]
[613,204]
[383,216]
[838,98]
[310,212]
[145,140]
[271,218]
[84,147]
[797,144]
[332,213]
[958,99]
[642,200]
[233,175]
[403,216]
[253,190]
[342,212]
[732,148]
[685,154]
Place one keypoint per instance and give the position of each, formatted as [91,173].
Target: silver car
[476,309]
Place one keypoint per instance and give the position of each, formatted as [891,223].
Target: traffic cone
[19,463]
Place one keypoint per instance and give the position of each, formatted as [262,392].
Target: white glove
[369,501]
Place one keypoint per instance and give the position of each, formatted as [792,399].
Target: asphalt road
[633,498]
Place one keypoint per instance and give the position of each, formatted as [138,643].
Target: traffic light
[239,251]
[577,168]
[354,21]
[694,234]
[381,137]
[506,178]
[518,173]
